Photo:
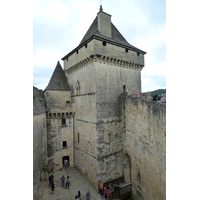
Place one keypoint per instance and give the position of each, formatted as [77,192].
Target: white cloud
[46,58]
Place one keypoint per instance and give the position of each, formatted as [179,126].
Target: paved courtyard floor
[77,183]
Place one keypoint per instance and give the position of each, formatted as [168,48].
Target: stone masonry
[92,118]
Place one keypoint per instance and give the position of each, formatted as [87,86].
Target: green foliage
[159,91]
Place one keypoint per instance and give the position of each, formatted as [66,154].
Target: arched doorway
[127,169]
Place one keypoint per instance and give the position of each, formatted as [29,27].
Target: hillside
[159,91]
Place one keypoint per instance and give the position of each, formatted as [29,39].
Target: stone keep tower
[99,70]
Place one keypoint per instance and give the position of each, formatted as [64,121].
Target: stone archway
[127,169]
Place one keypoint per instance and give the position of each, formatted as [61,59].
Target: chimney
[104,23]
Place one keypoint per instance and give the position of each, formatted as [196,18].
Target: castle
[89,115]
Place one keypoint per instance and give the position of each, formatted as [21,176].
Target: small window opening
[124,88]
[77,51]
[64,144]
[63,122]
[50,115]
[58,115]
[104,43]
[67,103]
[78,138]
[85,45]
[138,53]
[126,50]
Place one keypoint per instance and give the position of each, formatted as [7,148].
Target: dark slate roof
[38,101]
[116,35]
[59,80]
[116,39]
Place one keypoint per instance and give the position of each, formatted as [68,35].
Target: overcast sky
[59,26]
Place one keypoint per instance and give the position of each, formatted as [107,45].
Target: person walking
[67,165]
[67,182]
[62,181]
[52,187]
[105,192]
[54,167]
[88,195]
[101,188]
[79,195]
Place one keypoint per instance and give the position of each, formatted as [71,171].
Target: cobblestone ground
[77,182]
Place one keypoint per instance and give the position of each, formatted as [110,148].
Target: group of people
[160,97]
[110,191]
[67,184]
[63,182]
[87,195]
[67,165]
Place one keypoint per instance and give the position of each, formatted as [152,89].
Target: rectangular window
[64,122]
[85,45]
[64,144]
[127,50]
[138,53]
[67,103]
[104,43]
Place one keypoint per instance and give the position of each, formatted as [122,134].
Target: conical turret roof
[59,80]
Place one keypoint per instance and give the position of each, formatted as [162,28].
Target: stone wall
[56,99]
[39,150]
[145,145]
[57,134]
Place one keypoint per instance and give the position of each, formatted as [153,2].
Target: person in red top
[137,94]
[105,192]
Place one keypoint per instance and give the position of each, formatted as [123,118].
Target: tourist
[112,191]
[51,178]
[52,187]
[54,167]
[108,193]
[50,181]
[67,165]
[88,194]
[62,181]
[79,195]
[101,188]
[118,188]
[137,94]
[105,192]
[67,182]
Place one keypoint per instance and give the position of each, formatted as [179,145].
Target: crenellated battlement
[105,60]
